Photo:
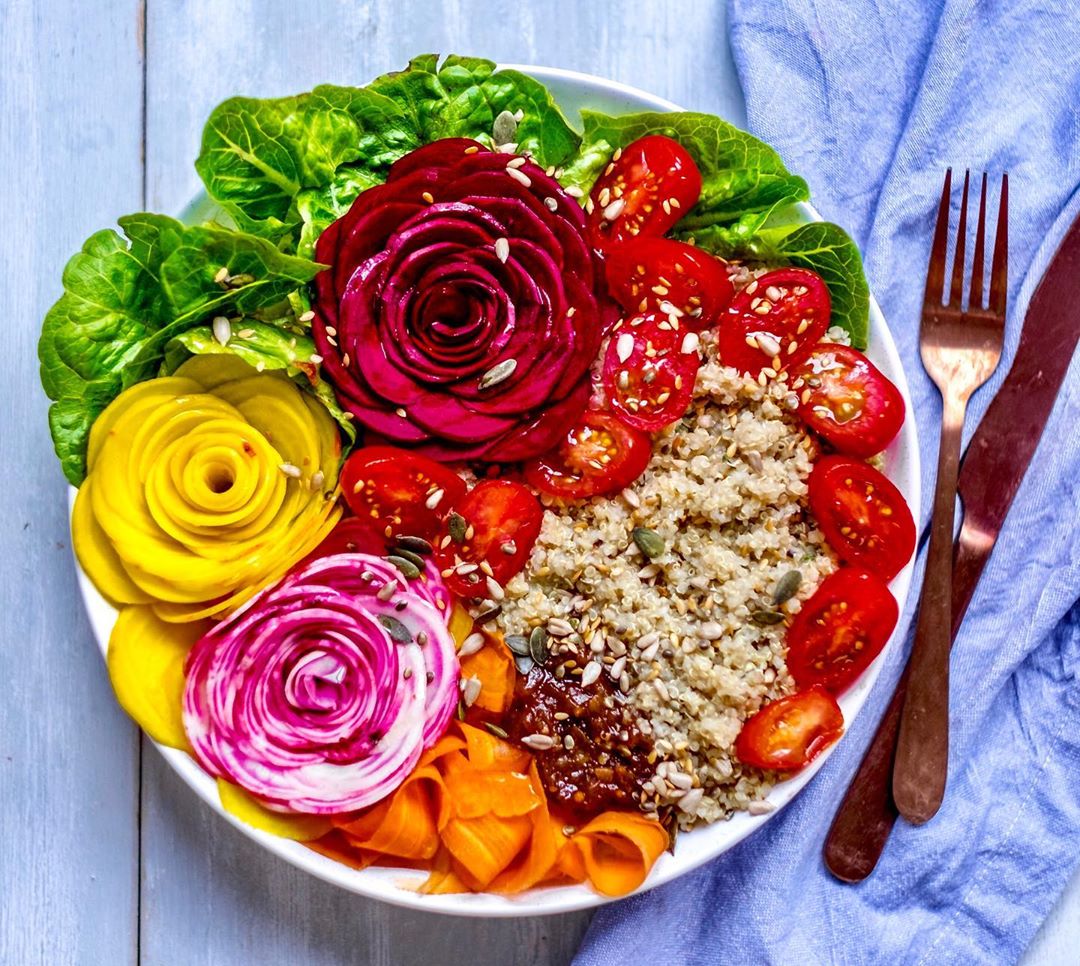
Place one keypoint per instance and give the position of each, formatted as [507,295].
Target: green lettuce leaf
[282,164]
[820,245]
[739,173]
[124,299]
[275,346]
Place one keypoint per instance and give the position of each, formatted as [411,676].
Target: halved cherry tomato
[648,378]
[601,454]
[789,733]
[850,403]
[394,487]
[661,273]
[648,187]
[501,520]
[863,516]
[351,535]
[840,629]
[775,321]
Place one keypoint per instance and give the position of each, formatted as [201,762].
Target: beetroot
[462,307]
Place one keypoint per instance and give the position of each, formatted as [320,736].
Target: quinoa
[692,637]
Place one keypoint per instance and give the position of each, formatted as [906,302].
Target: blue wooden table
[105,857]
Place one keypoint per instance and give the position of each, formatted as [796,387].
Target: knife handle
[867,813]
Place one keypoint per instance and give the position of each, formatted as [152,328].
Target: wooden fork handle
[867,813]
[922,750]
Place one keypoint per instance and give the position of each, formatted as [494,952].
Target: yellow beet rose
[203,487]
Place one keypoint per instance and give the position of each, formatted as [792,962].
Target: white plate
[573,91]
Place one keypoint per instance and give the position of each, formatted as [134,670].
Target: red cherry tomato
[849,402]
[648,187]
[661,273]
[501,520]
[350,535]
[601,454]
[789,733]
[840,629]
[863,516]
[775,321]
[393,488]
[648,378]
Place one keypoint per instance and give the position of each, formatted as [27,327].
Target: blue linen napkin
[871,100]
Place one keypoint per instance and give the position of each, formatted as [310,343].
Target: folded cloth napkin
[871,100]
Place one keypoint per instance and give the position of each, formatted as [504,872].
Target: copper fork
[960,342]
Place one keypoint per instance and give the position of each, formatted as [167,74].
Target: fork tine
[956,293]
[935,274]
[999,270]
[975,299]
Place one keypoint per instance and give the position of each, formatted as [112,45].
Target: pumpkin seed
[406,566]
[763,618]
[397,631]
[238,281]
[415,544]
[504,130]
[649,542]
[523,663]
[538,648]
[518,644]
[495,730]
[787,587]
[457,526]
[414,558]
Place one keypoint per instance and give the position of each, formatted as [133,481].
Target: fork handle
[922,751]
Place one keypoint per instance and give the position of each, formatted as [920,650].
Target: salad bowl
[572,91]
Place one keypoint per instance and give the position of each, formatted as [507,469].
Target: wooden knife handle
[867,813]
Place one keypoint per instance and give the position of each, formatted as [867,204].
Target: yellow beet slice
[299,828]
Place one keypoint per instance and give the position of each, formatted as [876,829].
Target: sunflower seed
[538,646]
[690,342]
[466,568]
[504,130]
[617,668]
[290,470]
[317,480]
[470,690]
[222,275]
[557,627]
[767,344]
[435,499]
[518,644]
[457,526]
[387,590]
[515,162]
[612,211]
[415,544]
[498,373]
[523,663]
[574,191]
[308,316]
[762,807]
[405,565]
[520,177]
[508,547]
[539,742]
[222,330]
[502,249]
[691,800]
[471,644]
[494,588]
[397,631]
[624,346]
[763,618]
[591,673]
[552,204]
[649,542]
[787,587]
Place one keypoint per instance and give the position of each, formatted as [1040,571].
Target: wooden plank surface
[71,149]
[84,877]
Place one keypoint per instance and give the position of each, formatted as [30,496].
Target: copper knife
[993,468]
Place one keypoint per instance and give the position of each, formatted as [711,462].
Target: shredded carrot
[494,666]
[474,814]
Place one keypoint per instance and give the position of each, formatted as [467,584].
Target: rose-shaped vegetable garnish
[320,695]
[460,315]
[203,487]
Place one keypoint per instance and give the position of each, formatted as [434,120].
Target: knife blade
[994,465]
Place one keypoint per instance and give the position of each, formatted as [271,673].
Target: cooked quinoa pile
[693,637]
